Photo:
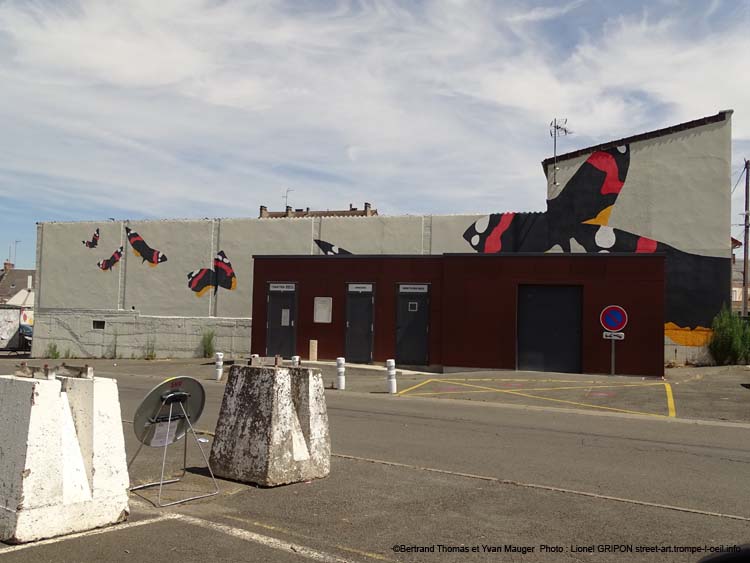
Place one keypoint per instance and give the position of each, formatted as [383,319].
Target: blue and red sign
[613,318]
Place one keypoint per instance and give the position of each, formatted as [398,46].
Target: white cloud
[200,107]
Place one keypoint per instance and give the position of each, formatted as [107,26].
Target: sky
[136,109]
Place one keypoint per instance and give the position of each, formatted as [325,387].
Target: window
[98,325]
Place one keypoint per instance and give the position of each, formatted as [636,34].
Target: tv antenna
[285,197]
[557,128]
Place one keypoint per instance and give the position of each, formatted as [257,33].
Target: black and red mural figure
[577,220]
[330,249]
[142,250]
[94,242]
[222,275]
[110,262]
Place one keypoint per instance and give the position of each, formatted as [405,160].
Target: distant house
[17,285]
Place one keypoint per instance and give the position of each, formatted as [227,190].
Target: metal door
[360,301]
[281,332]
[413,324]
[549,328]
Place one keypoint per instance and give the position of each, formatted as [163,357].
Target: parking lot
[460,461]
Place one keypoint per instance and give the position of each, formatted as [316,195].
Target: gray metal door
[549,328]
[413,324]
[281,332]
[360,301]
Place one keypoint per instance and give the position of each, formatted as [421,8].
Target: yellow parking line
[489,389]
[563,401]
[505,379]
[417,386]
[670,400]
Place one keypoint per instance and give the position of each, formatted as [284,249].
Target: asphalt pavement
[444,473]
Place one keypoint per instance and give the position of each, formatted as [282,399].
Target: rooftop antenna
[557,128]
[15,249]
[285,197]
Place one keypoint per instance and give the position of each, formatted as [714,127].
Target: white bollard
[219,365]
[390,366]
[295,361]
[341,374]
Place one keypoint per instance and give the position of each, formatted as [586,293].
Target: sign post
[613,318]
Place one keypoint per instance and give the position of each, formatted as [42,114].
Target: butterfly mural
[577,220]
[222,275]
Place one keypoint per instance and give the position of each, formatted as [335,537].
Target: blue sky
[197,108]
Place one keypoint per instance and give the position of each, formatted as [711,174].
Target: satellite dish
[161,418]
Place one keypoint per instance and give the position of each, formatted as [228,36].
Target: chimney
[263,211]
[29,282]
[368,211]
[289,211]
[7,265]
[351,207]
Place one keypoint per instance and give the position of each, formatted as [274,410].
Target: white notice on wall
[161,436]
[323,309]
[285,317]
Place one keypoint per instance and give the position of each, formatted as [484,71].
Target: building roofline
[721,116]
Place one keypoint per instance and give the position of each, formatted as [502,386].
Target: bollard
[219,365]
[295,361]
[390,366]
[313,354]
[340,374]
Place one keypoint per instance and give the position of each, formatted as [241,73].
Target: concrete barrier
[62,457]
[273,426]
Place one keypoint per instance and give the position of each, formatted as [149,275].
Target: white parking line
[267,541]
[113,528]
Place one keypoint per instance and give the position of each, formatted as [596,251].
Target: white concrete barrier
[273,426]
[62,466]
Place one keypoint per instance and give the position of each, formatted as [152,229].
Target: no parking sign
[613,318]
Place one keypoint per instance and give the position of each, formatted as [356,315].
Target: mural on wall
[577,220]
[330,249]
[94,242]
[109,263]
[142,250]
[222,275]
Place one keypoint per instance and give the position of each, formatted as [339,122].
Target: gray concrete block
[273,426]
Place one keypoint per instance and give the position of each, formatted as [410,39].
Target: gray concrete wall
[128,335]
[149,307]
[676,191]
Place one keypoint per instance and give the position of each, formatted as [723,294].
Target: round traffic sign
[613,318]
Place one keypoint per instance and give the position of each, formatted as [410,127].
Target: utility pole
[747,230]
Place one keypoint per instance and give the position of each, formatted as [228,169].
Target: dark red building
[506,311]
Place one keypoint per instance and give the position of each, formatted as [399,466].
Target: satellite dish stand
[161,427]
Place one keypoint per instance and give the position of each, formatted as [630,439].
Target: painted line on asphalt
[547,488]
[417,386]
[266,541]
[510,392]
[670,400]
[489,389]
[280,530]
[96,532]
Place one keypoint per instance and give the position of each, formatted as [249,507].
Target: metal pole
[613,357]
[747,228]
[554,153]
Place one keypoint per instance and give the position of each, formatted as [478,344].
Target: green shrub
[730,343]
[52,352]
[207,343]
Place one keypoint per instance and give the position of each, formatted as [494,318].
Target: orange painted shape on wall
[698,336]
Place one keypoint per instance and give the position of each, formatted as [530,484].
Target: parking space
[647,397]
